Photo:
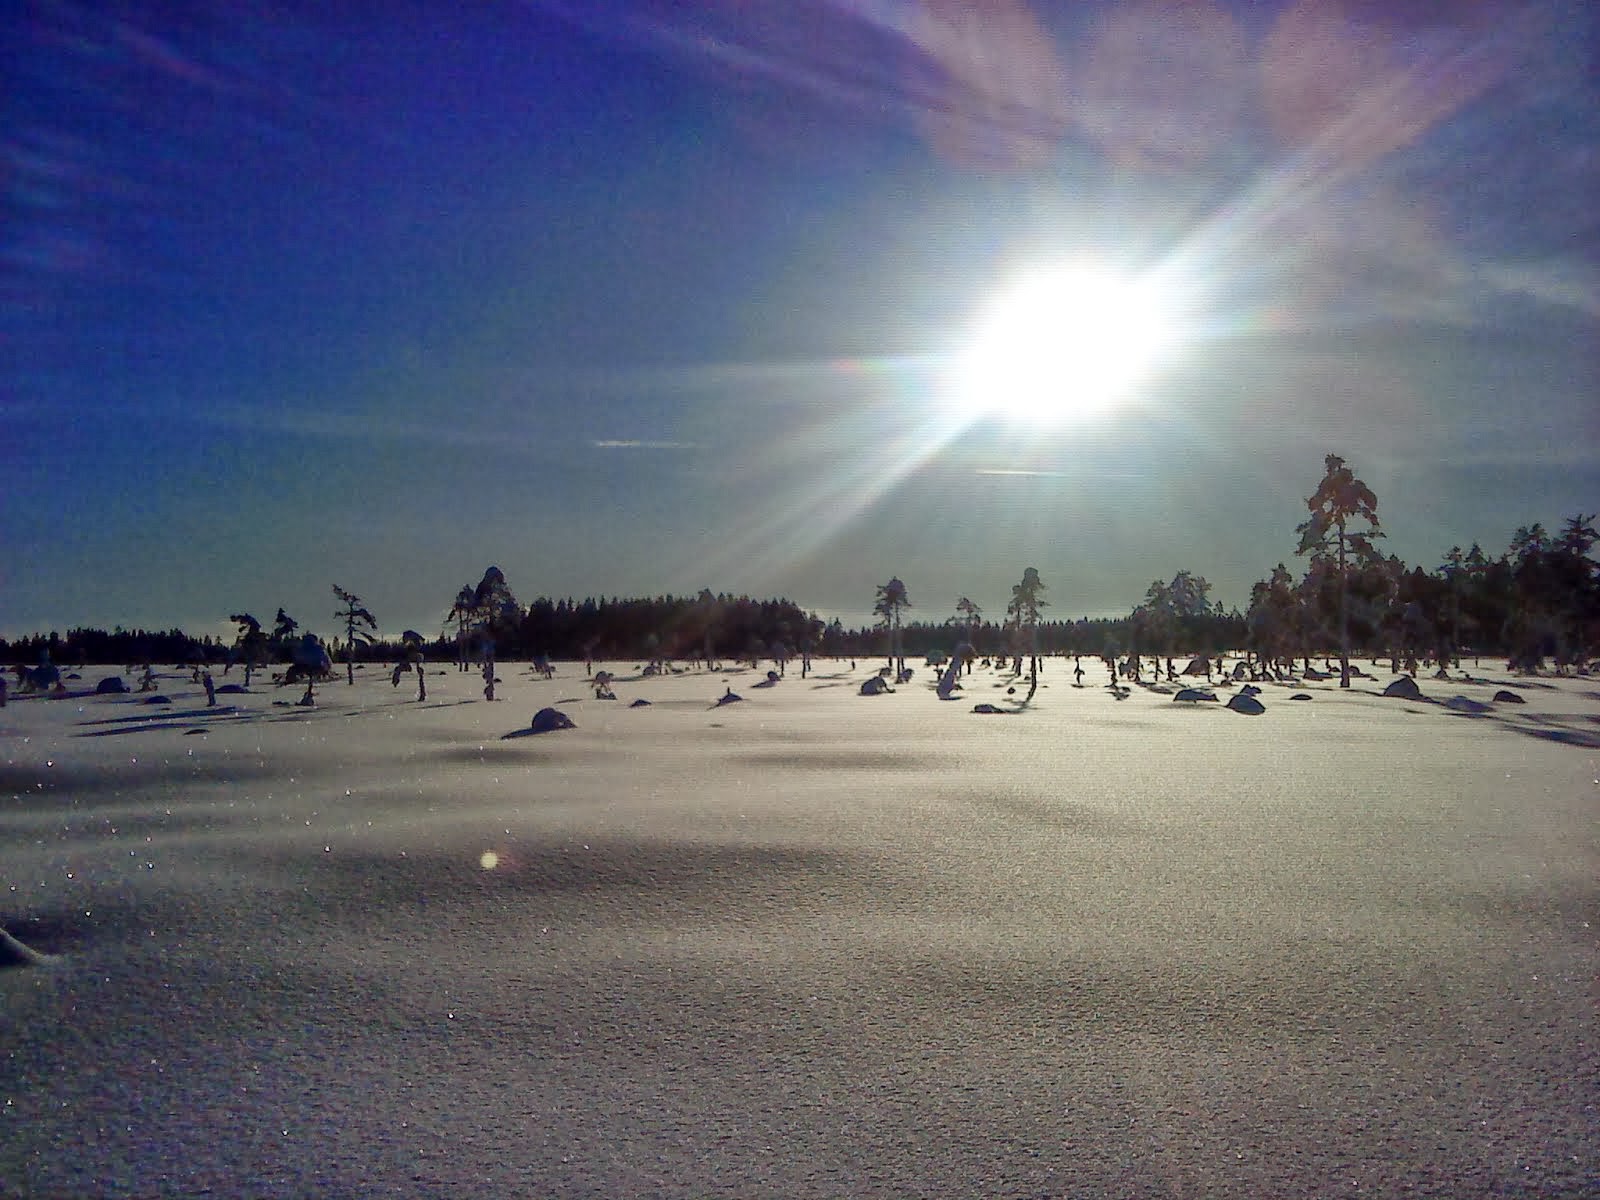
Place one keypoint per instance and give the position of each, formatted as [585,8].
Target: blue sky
[634,298]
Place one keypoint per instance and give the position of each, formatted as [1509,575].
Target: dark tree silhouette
[494,607]
[357,624]
[1026,603]
[1578,535]
[892,601]
[969,612]
[1528,542]
[309,660]
[250,645]
[462,613]
[1188,593]
[1580,576]
[1554,605]
[1176,615]
[1340,499]
[1454,571]
[707,613]
[809,642]
[284,628]
[411,649]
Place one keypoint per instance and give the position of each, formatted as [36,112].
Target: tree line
[1536,602]
[483,619]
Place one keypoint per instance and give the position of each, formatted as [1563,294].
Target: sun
[1062,344]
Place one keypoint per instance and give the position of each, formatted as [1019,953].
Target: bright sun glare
[1062,344]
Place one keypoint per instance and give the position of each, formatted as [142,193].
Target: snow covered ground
[808,944]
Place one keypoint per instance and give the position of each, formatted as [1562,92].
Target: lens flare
[1061,344]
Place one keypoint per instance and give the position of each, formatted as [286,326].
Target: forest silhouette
[1536,603]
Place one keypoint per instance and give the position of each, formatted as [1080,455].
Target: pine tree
[250,643]
[1025,606]
[892,601]
[969,612]
[1340,499]
[357,622]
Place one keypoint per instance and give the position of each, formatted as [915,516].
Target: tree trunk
[1455,618]
[1033,661]
[1344,628]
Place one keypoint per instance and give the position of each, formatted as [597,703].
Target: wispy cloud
[1015,471]
[789,381]
[1569,456]
[1558,283]
[639,444]
[355,426]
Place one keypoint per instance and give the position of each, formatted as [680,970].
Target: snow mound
[1248,705]
[1405,688]
[14,954]
[547,720]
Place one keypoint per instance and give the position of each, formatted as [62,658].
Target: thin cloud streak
[637,444]
[1557,284]
[1028,474]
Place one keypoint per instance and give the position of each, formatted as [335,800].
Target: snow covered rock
[1405,688]
[547,720]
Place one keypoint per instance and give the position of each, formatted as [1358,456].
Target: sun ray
[881,434]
